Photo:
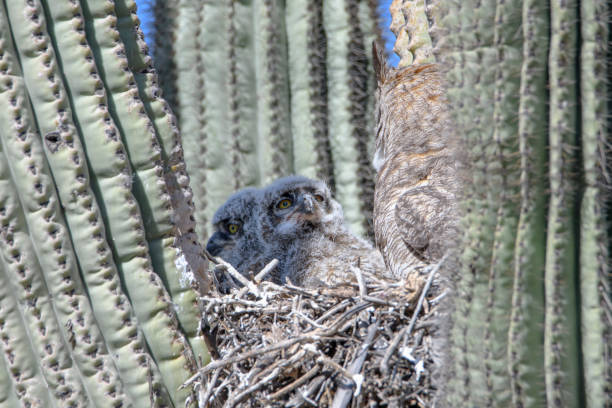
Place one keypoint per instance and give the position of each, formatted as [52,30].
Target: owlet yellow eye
[319,198]
[232,228]
[285,203]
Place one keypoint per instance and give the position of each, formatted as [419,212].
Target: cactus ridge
[183,245]
[594,255]
[527,317]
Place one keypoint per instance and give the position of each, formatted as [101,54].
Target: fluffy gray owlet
[237,237]
[304,228]
[417,162]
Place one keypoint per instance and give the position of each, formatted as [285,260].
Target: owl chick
[309,236]
[417,165]
[237,236]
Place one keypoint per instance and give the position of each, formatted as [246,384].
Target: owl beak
[213,246]
[308,204]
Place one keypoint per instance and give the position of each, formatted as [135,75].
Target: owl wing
[420,213]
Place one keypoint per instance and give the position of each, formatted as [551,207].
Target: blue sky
[145,15]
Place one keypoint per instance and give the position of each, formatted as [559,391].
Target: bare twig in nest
[384,364]
[345,390]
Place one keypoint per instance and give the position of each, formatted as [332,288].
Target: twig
[363,291]
[209,388]
[322,358]
[235,400]
[345,390]
[384,364]
[300,381]
[259,277]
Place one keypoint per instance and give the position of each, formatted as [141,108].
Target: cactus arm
[561,356]
[179,260]
[348,99]
[411,28]
[272,82]
[526,364]
[370,20]
[307,55]
[51,236]
[594,256]
[17,353]
[503,181]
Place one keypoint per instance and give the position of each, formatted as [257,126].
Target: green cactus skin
[347,84]
[110,305]
[594,256]
[151,303]
[17,353]
[526,364]
[191,104]
[97,369]
[181,252]
[307,55]
[505,188]
[370,26]
[165,23]
[8,398]
[220,167]
[272,90]
[561,354]
[22,273]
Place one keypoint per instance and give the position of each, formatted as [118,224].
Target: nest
[359,344]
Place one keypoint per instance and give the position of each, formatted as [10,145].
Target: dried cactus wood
[348,345]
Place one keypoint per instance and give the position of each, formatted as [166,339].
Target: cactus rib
[347,82]
[181,250]
[151,302]
[526,364]
[273,127]
[307,55]
[16,350]
[561,357]
[594,256]
[23,273]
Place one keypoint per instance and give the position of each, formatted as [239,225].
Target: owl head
[237,238]
[295,206]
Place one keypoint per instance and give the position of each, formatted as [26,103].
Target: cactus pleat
[508,46]
[17,352]
[526,364]
[23,273]
[112,307]
[165,21]
[411,27]
[347,79]
[561,356]
[191,102]
[8,397]
[307,55]
[39,199]
[152,305]
[220,160]
[594,256]
[165,256]
[271,75]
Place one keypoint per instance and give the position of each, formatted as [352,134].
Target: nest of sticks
[368,343]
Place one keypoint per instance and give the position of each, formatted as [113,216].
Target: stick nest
[358,344]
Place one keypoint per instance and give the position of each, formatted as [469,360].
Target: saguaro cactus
[531,319]
[98,258]
[266,88]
